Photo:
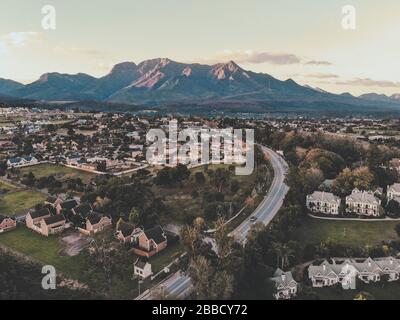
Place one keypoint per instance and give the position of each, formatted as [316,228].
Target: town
[321,208]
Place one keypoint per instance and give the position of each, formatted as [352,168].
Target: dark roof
[83,209]
[3,218]
[54,219]
[69,204]
[126,228]
[51,199]
[94,217]
[157,234]
[140,263]
[40,213]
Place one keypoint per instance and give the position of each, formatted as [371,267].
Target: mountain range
[163,81]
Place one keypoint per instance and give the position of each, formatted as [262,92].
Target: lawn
[313,231]
[45,250]
[378,291]
[7,186]
[59,172]
[165,257]
[20,201]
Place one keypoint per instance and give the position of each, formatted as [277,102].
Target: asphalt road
[178,285]
[273,200]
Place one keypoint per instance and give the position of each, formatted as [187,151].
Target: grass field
[46,250]
[59,172]
[20,201]
[7,186]
[313,231]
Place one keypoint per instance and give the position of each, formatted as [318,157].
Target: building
[285,285]
[52,225]
[127,232]
[66,206]
[395,164]
[19,162]
[323,202]
[44,223]
[393,192]
[7,224]
[150,242]
[363,203]
[142,269]
[367,270]
[94,223]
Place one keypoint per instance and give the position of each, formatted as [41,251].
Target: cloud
[367,82]
[318,63]
[250,56]
[82,51]
[16,39]
[322,75]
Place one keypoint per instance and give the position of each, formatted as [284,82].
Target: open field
[59,172]
[313,231]
[20,201]
[45,250]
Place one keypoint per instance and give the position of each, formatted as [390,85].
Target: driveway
[75,242]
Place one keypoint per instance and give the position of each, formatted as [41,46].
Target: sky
[303,40]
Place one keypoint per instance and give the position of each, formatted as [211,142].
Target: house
[127,232]
[7,224]
[150,242]
[83,210]
[323,202]
[285,285]
[395,164]
[94,223]
[44,223]
[363,203]
[367,270]
[326,185]
[33,218]
[19,162]
[142,269]
[393,192]
[53,201]
[66,206]
[52,225]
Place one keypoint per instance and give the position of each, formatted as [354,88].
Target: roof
[94,217]
[126,228]
[39,213]
[2,218]
[156,234]
[140,263]
[323,196]
[363,197]
[282,278]
[54,219]
[51,199]
[83,209]
[69,204]
[395,187]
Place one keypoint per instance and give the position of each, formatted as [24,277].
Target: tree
[134,215]
[200,178]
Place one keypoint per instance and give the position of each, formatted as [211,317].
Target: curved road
[179,285]
[273,200]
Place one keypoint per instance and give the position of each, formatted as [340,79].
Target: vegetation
[20,201]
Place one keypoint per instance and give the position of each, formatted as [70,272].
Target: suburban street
[179,285]
[273,200]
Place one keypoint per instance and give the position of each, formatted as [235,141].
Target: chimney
[283,277]
[324,267]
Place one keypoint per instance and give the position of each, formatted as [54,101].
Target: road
[273,200]
[179,286]
[176,286]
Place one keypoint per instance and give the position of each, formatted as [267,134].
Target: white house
[367,270]
[285,285]
[363,203]
[19,162]
[323,202]
[142,269]
[393,192]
